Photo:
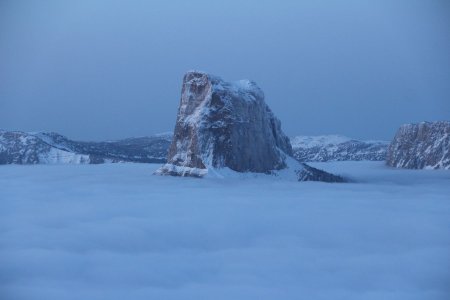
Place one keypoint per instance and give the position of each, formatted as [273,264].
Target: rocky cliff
[418,146]
[336,148]
[226,125]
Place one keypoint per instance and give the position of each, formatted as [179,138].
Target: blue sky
[102,69]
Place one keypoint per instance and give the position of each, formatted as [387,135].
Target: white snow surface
[115,231]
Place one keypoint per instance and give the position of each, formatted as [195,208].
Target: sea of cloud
[116,231]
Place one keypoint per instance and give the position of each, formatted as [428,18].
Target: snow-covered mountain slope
[421,146]
[52,148]
[23,148]
[336,148]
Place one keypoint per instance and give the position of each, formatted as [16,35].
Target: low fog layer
[117,232]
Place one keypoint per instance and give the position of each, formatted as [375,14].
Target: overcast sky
[98,70]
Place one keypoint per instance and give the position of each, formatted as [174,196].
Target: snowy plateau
[115,231]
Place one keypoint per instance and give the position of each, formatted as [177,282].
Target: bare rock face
[225,125]
[419,146]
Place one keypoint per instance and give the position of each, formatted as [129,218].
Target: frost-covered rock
[225,125]
[52,148]
[336,148]
[421,146]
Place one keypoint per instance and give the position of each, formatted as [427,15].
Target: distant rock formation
[336,148]
[18,147]
[421,146]
[227,125]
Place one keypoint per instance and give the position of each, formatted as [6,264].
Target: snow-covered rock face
[222,124]
[224,127]
[336,148]
[421,146]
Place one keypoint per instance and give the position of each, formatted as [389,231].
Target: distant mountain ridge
[17,147]
[337,148]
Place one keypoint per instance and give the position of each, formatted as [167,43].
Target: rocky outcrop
[225,125]
[18,147]
[336,148]
[418,146]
